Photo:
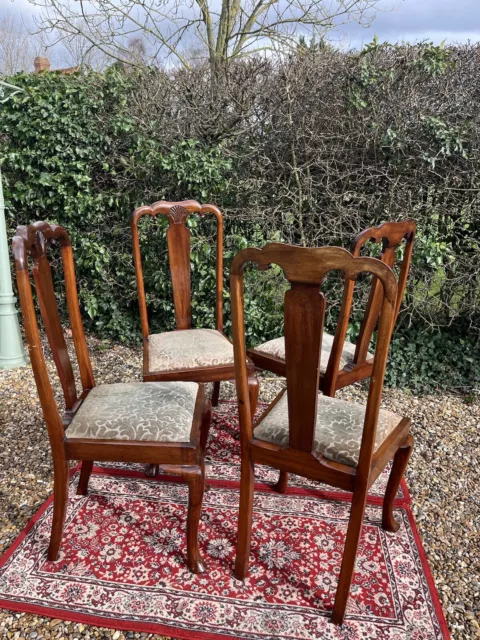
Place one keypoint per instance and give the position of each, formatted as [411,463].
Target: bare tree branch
[170,28]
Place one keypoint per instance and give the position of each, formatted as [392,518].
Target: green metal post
[12,353]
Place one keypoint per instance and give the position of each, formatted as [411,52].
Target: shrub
[309,149]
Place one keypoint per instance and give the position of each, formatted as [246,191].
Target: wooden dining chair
[163,423]
[202,355]
[344,363]
[342,444]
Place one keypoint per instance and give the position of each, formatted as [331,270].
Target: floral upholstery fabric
[153,411]
[188,349]
[339,429]
[276,348]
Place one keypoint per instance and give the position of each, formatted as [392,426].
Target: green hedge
[66,145]
[84,150]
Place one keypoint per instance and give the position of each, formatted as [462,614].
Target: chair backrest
[305,269]
[178,242]
[30,246]
[392,235]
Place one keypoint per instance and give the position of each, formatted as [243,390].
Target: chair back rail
[178,243]
[30,244]
[305,269]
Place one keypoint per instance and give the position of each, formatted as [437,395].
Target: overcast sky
[413,20]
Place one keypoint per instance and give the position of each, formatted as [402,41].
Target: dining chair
[201,355]
[163,423]
[342,362]
[342,444]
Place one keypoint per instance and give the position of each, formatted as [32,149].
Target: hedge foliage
[309,150]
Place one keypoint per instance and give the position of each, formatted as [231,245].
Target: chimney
[41,64]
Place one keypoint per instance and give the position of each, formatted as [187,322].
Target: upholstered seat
[152,411]
[276,348]
[188,349]
[339,429]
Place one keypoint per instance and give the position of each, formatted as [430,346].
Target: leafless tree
[79,52]
[18,47]
[168,29]
[138,51]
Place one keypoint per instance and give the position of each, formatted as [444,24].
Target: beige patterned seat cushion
[188,349]
[153,411]
[339,430]
[276,348]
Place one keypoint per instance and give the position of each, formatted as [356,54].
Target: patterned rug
[122,561]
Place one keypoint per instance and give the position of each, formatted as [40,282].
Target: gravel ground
[442,476]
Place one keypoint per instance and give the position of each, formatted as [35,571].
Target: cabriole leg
[399,465]
[196,486]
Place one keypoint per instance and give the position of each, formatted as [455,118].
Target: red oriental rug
[122,561]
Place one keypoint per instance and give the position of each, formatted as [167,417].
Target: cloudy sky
[413,20]
[407,20]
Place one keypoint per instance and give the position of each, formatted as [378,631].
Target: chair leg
[253,394]
[282,482]
[84,477]
[215,393]
[245,515]
[196,486]
[204,431]
[60,497]
[151,470]
[354,531]
[205,426]
[400,462]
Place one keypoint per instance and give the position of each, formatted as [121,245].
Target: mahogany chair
[342,362]
[202,355]
[163,423]
[342,444]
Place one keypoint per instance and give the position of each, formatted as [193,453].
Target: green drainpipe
[12,353]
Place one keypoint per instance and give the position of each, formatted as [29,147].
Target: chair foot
[400,462]
[240,570]
[85,473]
[215,393]
[152,470]
[338,618]
[196,485]
[60,497]
[282,482]
[196,565]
